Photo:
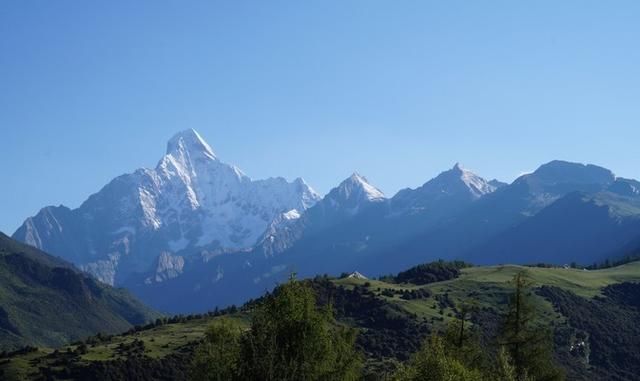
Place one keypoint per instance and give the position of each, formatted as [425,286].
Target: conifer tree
[528,345]
[462,340]
[217,358]
[292,339]
[432,363]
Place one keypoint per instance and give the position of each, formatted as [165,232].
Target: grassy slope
[483,286]
[44,301]
[488,286]
[158,343]
[580,282]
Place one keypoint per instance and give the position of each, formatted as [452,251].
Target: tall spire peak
[356,177]
[458,167]
[190,141]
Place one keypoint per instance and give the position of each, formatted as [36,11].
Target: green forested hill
[45,301]
[591,315]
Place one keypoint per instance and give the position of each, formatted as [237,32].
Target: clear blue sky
[397,90]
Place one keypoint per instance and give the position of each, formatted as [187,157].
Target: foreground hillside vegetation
[440,321]
[46,301]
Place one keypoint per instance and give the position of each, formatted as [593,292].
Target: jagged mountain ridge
[353,222]
[354,239]
[466,234]
[350,198]
[355,201]
[457,182]
[194,247]
[190,202]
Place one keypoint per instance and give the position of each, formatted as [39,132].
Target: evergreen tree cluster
[524,349]
[437,271]
[290,339]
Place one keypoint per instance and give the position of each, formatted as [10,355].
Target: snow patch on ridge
[293,214]
[476,184]
[357,181]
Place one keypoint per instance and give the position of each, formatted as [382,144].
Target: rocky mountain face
[441,197]
[197,227]
[537,218]
[190,203]
[332,241]
[455,186]
[293,242]
[579,227]
[352,198]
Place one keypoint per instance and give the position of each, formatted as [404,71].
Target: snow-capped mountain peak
[352,195]
[476,184]
[456,187]
[191,201]
[309,195]
[358,186]
[189,141]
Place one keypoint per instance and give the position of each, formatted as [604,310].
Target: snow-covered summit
[357,186]
[477,186]
[190,201]
[189,141]
[352,195]
[356,275]
[453,187]
[232,210]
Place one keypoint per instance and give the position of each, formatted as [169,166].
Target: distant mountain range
[195,232]
[46,301]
